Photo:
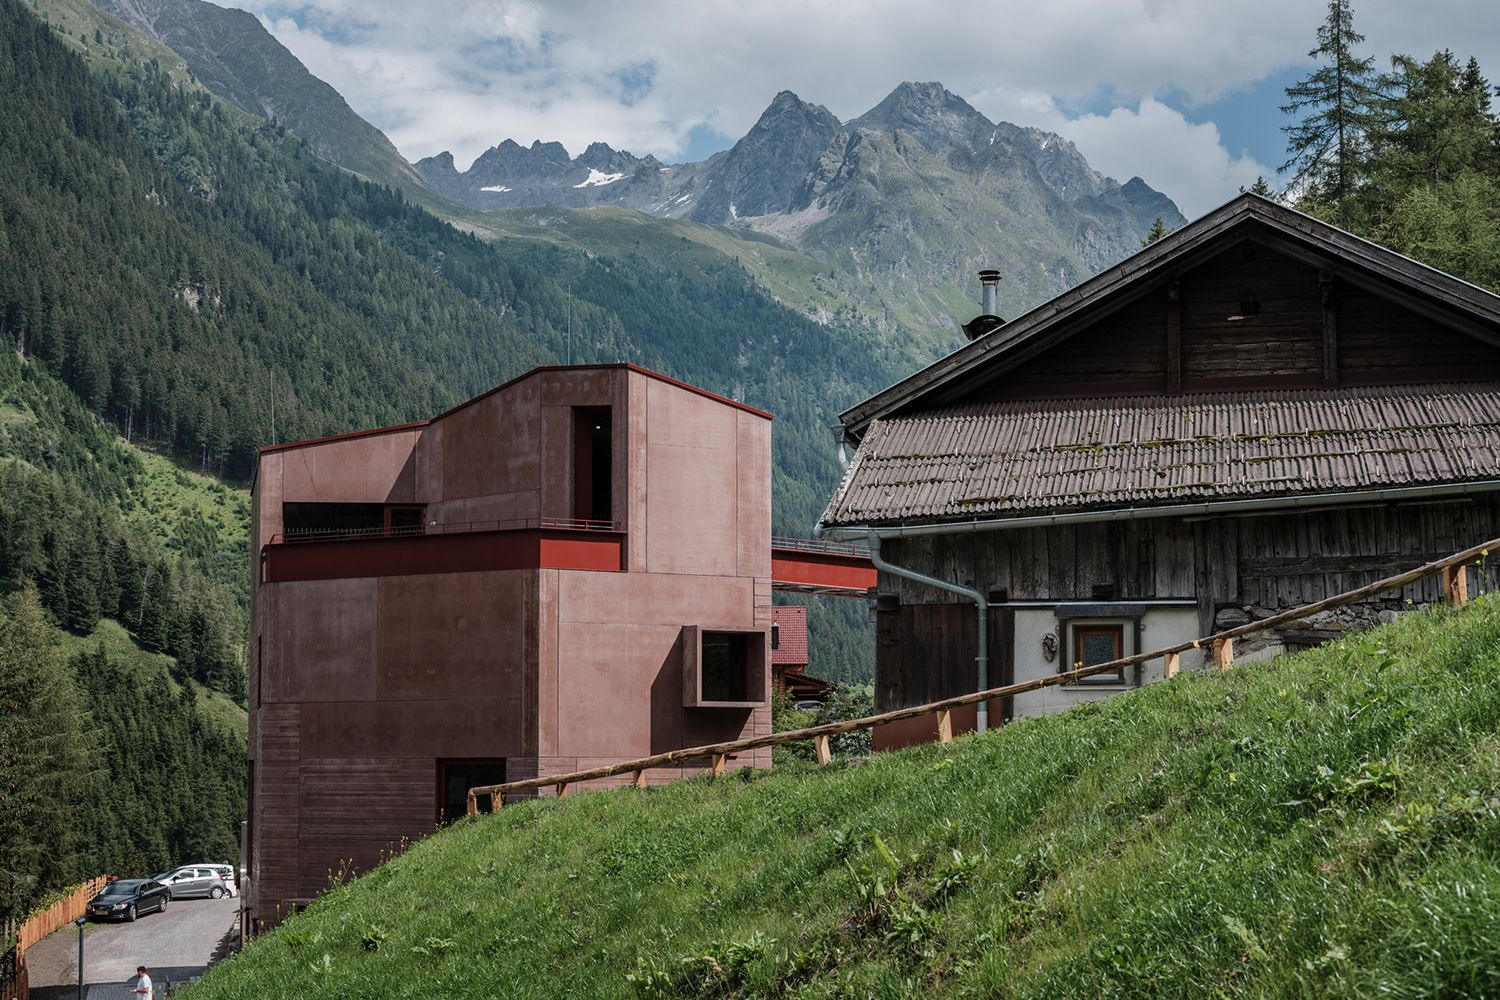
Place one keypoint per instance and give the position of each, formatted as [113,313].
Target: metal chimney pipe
[989,283]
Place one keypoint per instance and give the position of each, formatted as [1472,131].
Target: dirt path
[177,945]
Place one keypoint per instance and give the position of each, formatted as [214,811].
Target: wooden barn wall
[1222,346]
[927,652]
[1259,563]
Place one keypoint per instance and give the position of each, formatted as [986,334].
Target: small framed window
[724,668]
[775,635]
[1092,643]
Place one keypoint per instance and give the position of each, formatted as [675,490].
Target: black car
[128,898]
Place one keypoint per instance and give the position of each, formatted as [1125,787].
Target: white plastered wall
[1159,626]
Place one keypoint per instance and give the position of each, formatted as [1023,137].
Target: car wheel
[164,901]
[217,892]
[129,914]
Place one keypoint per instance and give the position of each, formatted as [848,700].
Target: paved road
[178,944]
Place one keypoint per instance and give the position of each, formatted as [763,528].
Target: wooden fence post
[1169,665]
[562,789]
[471,805]
[820,746]
[1223,653]
[945,726]
[640,778]
[1456,585]
[497,801]
[720,764]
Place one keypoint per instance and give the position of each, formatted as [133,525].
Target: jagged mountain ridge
[913,195]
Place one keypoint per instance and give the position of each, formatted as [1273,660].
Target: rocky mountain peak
[935,116]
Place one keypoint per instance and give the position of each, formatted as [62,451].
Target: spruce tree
[1157,231]
[45,758]
[1337,102]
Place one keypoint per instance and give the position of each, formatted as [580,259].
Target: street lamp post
[81,921]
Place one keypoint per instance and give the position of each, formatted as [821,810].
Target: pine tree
[45,757]
[1157,231]
[1337,102]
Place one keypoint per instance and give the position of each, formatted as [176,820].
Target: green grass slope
[1325,824]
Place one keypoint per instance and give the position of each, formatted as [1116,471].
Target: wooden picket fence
[1220,647]
[58,915]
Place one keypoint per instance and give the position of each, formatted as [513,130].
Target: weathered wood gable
[1251,295]
[1251,316]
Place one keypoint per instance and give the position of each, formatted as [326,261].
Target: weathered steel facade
[1254,413]
[506,591]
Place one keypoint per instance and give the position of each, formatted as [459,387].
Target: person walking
[144,989]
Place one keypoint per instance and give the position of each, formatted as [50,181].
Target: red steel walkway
[804,566]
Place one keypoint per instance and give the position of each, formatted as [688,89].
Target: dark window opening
[725,666]
[725,669]
[775,636]
[312,519]
[1095,644]
[404,520]
[593,463]
[1249,306]
[456,777]
[304,521]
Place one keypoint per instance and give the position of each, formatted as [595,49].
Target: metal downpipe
[981,604]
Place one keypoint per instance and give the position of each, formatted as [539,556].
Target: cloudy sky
[1181,92]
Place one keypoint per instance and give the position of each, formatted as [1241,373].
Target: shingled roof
[1031,457]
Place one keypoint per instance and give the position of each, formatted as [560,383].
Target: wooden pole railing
[1220,646]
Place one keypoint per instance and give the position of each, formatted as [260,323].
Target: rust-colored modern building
[568,570]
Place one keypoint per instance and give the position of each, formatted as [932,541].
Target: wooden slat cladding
[1250,313]
[1249,316]
[1125,349]
[1381,344]
[927,652]
[1270,561]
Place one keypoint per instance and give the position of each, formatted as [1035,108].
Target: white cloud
[462,76]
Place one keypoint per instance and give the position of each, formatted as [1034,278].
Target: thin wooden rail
[1221,652]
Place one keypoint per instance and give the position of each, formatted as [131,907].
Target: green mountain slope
[237,59]
[1326,824]
[188,273]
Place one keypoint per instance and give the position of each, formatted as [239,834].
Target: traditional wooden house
[1253,413]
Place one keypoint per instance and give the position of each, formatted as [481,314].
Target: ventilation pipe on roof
[989,320]
[989,284]
[981,604]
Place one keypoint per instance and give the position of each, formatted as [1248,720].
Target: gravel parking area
[176,945]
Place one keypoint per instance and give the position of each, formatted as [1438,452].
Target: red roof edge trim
[613,366]
[393,428]
[506,385]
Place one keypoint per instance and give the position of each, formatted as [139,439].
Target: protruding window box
[725,668]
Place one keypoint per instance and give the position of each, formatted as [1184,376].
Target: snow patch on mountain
[598,178]
[496,188]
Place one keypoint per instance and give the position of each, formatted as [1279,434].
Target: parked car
[127,898]
[192,881]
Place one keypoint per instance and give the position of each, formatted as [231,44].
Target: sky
[1183,93]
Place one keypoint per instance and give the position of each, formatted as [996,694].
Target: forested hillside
[121,745]
[189,274]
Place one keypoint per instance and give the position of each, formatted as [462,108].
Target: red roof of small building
[791,627]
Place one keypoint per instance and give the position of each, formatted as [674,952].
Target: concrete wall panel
[380,468]
[692,510]
[324,642]
[619,689]
[451,635]
[472,727]
[753,470]
[492,446]
[656,598]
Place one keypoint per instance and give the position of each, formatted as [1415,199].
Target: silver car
[195,881]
